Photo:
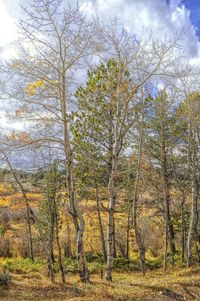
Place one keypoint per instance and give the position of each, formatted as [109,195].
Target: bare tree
[54,41]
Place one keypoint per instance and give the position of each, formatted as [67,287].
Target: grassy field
[178,285]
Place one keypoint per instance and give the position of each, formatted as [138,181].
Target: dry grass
[176,285]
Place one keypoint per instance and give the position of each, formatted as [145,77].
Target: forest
[100,182]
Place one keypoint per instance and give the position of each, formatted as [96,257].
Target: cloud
[7,26]
[6,123]
[159,16]
[162,17]
[8,30]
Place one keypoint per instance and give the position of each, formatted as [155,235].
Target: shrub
[70,265]
[23,266]
[90,256]
[122,263]
[96,267]
[154,263]
[4,278]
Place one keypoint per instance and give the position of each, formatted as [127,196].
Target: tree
[191,114]
[56,39]
[105,115]
[159,149]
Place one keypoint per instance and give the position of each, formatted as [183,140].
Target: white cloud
[8,31]
[6,123]
[149,15]
[139,15]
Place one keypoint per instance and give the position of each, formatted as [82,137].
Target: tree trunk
[183,233]
[50,199]
[192,161]
[171,239]
[114,241]
[101,233]
[30,240]
[141,250]
[58,244]
[79,225]
[166,243]
[182,209]
[110,221]
[169,229]
[193,219]
[50,268]
[128,233]
[78,220]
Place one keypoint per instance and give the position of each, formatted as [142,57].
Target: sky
[160,16]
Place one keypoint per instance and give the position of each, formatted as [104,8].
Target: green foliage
[23,266]
[70,266]
[125,264]
[119,264]
[97,102]
[2,230]
[96,267]
[91,257]
[154,263]
[5,279]
[106,99]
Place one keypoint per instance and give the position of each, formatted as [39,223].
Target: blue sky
[194,7]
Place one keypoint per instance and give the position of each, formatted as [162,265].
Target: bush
[90,256]
[69,265]
[23,266]
[96,267]
[4,279]
[154,263]
[122,263]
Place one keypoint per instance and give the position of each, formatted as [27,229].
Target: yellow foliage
[32,87]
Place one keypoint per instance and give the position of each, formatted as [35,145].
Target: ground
[179,285]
